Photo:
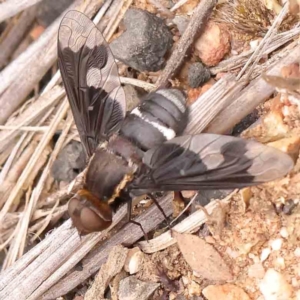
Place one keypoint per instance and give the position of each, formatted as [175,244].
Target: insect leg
[129,212]
[160,208]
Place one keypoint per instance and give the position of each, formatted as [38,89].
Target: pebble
[256,271]
[198,74]
[70,161]
[276,244]
[265,254]
[134,260]
[284,233]
[274,286]
[131,289]
[297,252]
[213,44]
[144,43]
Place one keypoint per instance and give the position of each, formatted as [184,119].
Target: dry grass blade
[238,61]
[138,83]
[16,249]
[42,145]
[29,116]
[260,50]
[33,64]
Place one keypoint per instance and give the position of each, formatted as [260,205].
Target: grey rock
[131,289]
[204,197]
[144,43]
[181,22]
[198,74]
[69,162]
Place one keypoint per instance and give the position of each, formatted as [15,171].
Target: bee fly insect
[142,152]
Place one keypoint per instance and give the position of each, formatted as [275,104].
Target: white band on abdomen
[167,132]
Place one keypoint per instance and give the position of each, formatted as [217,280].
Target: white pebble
[265,254]
[284,233]
[274,286]
[276,244]
[297,252]
[280,262]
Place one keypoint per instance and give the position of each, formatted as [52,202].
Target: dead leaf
[202,257]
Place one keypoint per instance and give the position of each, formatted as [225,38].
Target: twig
[198,19]
[31,114]
[25,128]
[139,83]
[116,19]
[32,64]
[11,7]
[178,4]
[212,102]
[11,41]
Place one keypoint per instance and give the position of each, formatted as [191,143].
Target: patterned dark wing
[91,80]
[209,161]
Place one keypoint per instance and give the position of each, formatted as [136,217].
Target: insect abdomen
[160,117]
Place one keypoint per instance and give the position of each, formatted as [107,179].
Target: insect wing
[91,80]
[208,161]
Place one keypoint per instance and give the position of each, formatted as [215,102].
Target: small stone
[134,260]
[284,233]
[256,271]
[132,97]
[70,161]
[144,43]
[198,74]
[181,22]
[194,289]
[131,289]
[276,244]
[188,194]
[274,286]
[279,262]
[297,252]
[225,292]
[213,44]
[288,207]
[265,254]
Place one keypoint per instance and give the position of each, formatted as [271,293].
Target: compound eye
[86,217]
[91,221]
